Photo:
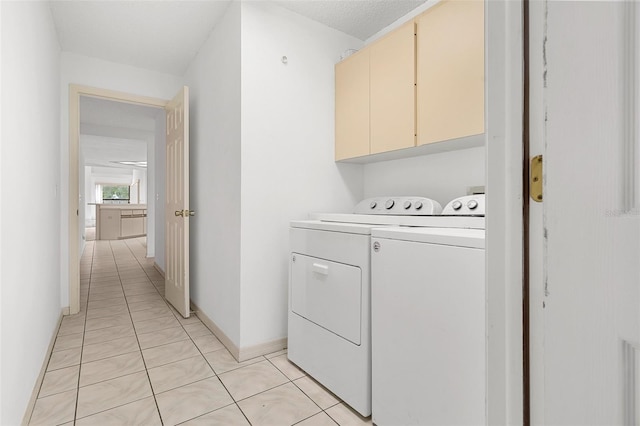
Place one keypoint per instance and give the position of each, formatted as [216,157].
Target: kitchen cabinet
[108,224]
[132,223]
[392,88]
[118,221]
[450,71]
[420,84]
[352,106]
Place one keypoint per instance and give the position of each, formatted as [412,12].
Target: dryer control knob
[389,204]
[472,204]
[407,205]
[373,204]
[418,205]
[457,205]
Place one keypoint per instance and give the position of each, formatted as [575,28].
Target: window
[115,194]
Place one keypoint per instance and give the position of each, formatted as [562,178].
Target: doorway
[118,169]
[80,95]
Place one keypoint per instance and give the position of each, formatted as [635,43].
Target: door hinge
[535,180]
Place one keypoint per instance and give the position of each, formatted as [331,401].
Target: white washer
[428,323]
[329,290]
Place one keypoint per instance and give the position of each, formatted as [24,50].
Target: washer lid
[472,238]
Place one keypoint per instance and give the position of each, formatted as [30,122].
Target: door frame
[75,91]
[504,106]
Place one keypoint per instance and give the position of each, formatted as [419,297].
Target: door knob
[185,213]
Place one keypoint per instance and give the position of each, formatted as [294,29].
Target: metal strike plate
[535,182]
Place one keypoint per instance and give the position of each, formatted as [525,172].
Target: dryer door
[328,294]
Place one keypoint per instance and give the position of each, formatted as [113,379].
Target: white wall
[82,201]
[442,177]
[90,197]
[214,79]
[151,194]
[141,175]
[155,209]
[288,167]
[77,69]
[29,240]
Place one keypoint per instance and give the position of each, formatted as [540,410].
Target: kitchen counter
[119,221]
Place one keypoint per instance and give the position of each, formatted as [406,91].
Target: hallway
[129,358]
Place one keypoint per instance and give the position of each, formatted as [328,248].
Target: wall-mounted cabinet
[450,71]
[420,84]
[352,106]
[392,87]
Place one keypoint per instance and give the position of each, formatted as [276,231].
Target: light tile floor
[128,358]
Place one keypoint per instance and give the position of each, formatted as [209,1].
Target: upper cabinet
[419,84]
[392,90]
[352,106]
[450,71]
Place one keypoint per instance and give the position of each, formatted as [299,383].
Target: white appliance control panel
[470,205]
[399,206]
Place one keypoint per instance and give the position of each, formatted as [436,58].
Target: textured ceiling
[165,35]
[158,35]
[359,18]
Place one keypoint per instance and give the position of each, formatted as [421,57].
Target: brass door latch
[185,213]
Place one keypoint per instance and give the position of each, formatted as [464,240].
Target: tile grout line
[322,410]
[146,370]
[298,387]
[102,411]
[202,355]
[86,310]
[46,370]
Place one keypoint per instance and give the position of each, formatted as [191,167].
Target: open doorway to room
[118,172]
[107,120]
[167,185]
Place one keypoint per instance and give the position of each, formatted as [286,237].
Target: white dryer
[329,292]
[428,323]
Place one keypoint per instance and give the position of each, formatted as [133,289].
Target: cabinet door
[132,226]
[450,71]
[393,91]
[352,106]
[109,224]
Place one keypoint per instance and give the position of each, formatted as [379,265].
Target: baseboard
[43,370]
[262,349]
[159,269]
[226,341]
[240,354]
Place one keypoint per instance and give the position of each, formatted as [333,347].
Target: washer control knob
[407,205]
[472,204]
[457,205]
[373,205]
[389,204]
[418,205]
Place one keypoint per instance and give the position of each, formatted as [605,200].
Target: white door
[177,203]
[586,302]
